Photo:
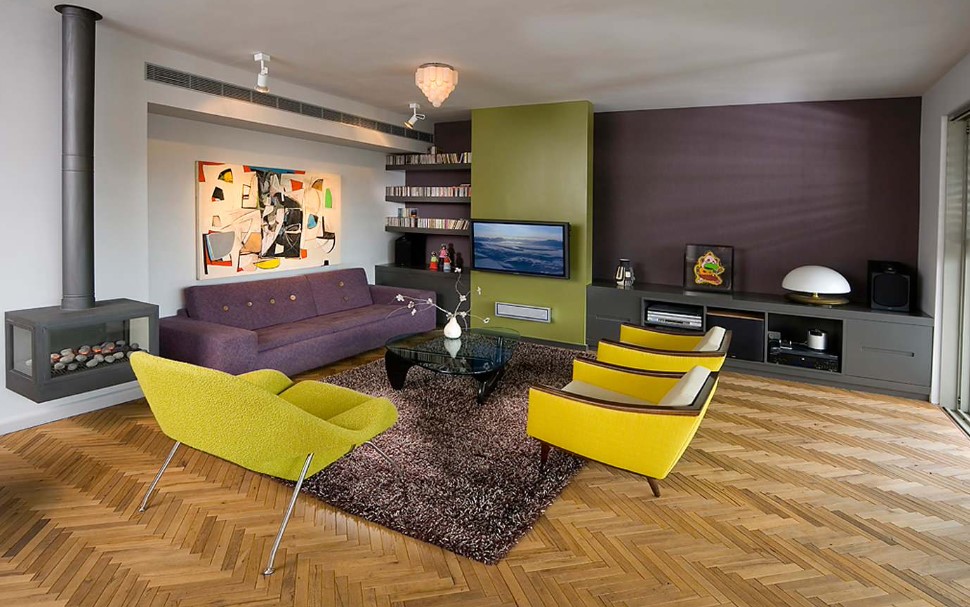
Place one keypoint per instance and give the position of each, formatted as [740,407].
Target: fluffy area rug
[466,476]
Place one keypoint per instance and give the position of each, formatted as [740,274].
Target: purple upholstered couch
[292,324]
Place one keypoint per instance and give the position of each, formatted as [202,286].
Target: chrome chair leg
[380,452]
[158,477]
[286,517]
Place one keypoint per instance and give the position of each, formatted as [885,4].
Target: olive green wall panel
[535,163]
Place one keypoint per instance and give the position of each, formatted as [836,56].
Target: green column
[535,163]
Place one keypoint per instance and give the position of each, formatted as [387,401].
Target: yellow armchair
[657,349]
[261,420]
[640,421]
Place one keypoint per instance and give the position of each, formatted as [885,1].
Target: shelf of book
[410,230]
[431,199]
[458,166]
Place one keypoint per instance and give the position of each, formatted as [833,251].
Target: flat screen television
[529,248]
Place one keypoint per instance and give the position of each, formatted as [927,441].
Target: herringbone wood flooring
[789,495]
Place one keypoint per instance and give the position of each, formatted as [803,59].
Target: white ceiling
[623,54]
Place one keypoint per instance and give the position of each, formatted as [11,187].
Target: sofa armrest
[207,344]
[384,295]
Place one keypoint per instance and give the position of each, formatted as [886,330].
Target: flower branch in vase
[453,328]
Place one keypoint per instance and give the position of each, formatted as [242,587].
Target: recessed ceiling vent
[185,80]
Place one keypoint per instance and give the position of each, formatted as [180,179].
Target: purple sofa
[292,324]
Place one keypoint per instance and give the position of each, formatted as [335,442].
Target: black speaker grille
[890,290]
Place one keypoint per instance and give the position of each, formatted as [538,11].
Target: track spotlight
[415,116]
[262,79]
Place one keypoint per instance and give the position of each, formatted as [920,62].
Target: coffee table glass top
[477,352]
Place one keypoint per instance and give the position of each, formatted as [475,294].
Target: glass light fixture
[436,81]
[817,285]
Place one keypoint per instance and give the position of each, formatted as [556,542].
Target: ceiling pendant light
[415,116]
[436,81]
[262,79]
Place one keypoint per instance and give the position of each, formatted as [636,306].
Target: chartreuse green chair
[657,349]
[261,420]
[636,420]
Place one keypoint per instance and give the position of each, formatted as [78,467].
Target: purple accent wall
[828,183]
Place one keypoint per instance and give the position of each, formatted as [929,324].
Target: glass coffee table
[480,353]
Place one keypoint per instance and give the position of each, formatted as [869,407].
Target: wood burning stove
[82,344]
[52,353]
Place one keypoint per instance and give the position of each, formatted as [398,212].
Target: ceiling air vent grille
[165,75]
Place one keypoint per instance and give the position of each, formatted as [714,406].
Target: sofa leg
[654,486]
[544,453]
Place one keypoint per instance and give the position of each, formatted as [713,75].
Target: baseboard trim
[92,401]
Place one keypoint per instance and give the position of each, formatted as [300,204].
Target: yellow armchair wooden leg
[654,486]
[544,453]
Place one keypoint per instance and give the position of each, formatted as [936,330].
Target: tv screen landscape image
[532,249]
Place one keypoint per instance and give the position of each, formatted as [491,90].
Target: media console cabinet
[866,349]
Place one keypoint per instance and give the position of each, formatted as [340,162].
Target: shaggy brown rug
[466,476]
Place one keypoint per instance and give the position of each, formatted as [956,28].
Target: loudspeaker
[892,286]
[747,332]
[409,251]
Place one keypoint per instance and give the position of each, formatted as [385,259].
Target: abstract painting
[253,219]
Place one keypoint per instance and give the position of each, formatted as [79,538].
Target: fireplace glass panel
[23,350]
[79,349]
[139,332]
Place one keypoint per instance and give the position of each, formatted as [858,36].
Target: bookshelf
[430,199]
[436,199]
[457,166]
[410,230]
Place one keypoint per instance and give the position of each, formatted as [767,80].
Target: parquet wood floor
[789,495]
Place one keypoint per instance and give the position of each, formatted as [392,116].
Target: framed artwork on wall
[253,219]
[709,268]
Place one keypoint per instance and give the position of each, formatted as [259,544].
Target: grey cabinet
[881,351]
[888,351]
[606,310]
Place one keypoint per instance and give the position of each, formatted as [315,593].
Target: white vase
[453,346]
[452,328]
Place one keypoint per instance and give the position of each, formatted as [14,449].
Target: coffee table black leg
[397,369]
[487,383]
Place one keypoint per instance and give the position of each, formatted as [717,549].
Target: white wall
[30,152]
[949,95]
[174,144]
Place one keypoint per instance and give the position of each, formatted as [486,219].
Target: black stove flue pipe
[77,159]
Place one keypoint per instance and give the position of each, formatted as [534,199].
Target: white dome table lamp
[817,285]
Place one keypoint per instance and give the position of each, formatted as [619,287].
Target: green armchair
[261,420]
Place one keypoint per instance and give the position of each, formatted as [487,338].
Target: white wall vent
[185,80]
[523,312]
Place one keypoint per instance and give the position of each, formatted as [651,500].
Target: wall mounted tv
[529,248]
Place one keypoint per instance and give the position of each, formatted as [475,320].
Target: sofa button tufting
[225,308]
[292,297]
[249,304]
[346,298]
[340,284]
[272,300]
